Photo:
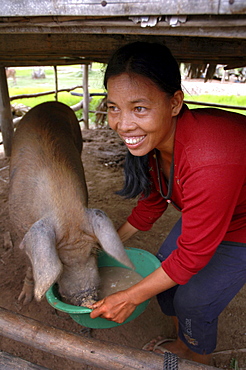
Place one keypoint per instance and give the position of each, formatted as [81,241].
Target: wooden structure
[93,352]
[67,32]
[36,32]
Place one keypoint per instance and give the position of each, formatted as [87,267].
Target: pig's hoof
[27,292]
[26,297]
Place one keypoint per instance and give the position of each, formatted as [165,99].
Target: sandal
[157,344]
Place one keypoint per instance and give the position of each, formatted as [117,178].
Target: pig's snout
[83,298]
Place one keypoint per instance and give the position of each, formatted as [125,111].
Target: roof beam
[55,49]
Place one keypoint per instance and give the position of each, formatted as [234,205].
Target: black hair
[151,60]
[136,171]
[156,62]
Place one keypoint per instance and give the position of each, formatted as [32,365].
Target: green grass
[219,99]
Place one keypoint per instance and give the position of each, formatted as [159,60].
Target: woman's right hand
[119,306]
[116,307]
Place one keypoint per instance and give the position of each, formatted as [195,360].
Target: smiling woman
[154,81]
[192,159]
[143,115]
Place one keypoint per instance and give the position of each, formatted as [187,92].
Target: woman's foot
[157,345]
[161,345]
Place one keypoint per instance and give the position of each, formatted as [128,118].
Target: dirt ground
[103,157]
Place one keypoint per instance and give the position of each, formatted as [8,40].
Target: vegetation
[230,100]
[68,77]
[71,76]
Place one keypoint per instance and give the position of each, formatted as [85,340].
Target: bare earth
[103,156]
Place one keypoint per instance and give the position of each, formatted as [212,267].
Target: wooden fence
[89,351]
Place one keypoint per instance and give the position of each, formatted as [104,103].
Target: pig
[48,207]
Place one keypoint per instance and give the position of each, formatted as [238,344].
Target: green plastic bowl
[144,262]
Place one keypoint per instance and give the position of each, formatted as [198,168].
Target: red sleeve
[147,211]
[210,196]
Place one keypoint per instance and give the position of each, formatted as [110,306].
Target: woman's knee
[188,299]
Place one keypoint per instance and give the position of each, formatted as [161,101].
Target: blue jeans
[198,303]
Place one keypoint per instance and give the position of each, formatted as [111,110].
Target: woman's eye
[112,108]
[140,109]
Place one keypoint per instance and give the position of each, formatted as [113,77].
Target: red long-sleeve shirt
[209,186]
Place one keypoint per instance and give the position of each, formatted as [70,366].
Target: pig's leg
[27,292]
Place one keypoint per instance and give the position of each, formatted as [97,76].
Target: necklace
[169,183]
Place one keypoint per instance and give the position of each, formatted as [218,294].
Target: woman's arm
[126,231]
[119,306]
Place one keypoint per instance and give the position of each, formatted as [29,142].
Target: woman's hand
[119,306]
[116,307]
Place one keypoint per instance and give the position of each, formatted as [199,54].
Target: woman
[196,160]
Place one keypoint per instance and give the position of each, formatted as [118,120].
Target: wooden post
[10,362]
[86,96]
[6,121]
[56,83]
[90,351]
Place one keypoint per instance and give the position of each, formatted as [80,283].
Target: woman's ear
[177,102]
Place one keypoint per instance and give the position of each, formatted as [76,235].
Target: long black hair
[156,62]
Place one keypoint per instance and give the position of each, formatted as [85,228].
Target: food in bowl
[144,263]
[114,279]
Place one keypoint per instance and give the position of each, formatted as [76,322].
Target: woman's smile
[133,140]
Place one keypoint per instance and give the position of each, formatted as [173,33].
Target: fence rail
[90,351]
[14,97]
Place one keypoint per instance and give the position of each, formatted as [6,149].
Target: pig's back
[45,164]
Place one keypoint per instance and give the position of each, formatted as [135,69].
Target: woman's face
[142,115]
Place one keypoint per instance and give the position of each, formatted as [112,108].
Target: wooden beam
[233,26]
[10,362]
[26,61]
[90,351]
[6,121]
[118,7]
[16,50]
[232,7]
[26,23]
[15,8]
[56,83]
[86,96]
[223,106]
[35,95]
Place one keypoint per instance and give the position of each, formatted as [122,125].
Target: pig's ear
[39,244]
[107,236]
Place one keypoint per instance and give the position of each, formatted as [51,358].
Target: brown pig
[48,203]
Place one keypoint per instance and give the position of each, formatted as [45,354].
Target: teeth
[134,140]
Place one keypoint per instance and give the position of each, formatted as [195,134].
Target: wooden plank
[16,50]
[109,7]
[10,362]
[93,352]
[26,23]
[48,60]
[222,27]
[6,121]
[44,93]
[232,7]
[44,47]
[86,96]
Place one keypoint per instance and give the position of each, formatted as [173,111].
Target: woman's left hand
[116,307]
